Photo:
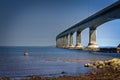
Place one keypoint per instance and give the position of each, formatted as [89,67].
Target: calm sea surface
[46,61]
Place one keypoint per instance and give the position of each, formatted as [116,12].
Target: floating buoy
[26,53]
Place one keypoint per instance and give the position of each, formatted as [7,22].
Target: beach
[111,72]
[49,62]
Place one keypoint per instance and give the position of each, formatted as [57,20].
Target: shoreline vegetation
[104,70]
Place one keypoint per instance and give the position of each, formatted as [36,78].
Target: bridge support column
[57,42]
[92,39]
[66,41]
[60,42]
[71,41]
[63,42]
[78,40]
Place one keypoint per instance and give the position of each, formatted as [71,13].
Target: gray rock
[113,64]
[88,65]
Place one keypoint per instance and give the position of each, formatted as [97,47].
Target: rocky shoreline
[112,64]
[105,70]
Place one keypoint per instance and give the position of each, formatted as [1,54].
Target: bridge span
[107,14]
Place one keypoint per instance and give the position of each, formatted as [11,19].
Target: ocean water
[46,61]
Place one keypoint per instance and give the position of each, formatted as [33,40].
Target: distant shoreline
[110,50]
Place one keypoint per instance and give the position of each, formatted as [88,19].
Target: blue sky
[37,22]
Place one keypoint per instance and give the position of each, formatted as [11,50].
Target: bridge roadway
[65,39]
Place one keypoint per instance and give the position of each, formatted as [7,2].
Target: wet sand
[100,75]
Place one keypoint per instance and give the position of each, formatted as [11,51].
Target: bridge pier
[58,43]
[66,41]
[71,41]
[92,39]
[61,40]
[78,40]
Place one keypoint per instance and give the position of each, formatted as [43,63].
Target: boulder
[99,64]
[113,64]
[88,65]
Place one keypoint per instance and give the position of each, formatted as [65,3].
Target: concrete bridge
[109,13]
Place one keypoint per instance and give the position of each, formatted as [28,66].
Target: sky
[38,22]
